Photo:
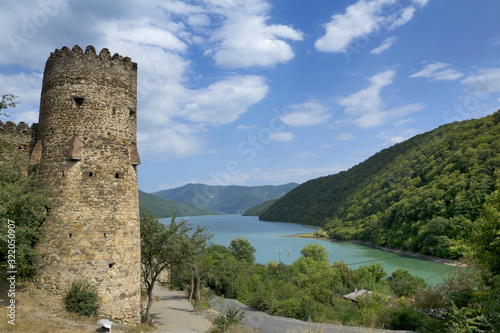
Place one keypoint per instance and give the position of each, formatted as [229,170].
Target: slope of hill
[228,199]
[161,207]
[259,209]
[423,194]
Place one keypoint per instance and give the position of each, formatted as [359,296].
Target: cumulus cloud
[438,71]
[386,44]
[224,101]
[27,87]
[361,19]
[306,114]
[246,41]
[367,107]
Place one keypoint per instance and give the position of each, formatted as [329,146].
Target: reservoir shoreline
[439,260]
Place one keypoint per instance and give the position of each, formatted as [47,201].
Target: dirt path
[174,313]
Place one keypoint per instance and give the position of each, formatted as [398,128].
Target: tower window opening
[117,175]
[78,100]
[131,112]
[111,265]
[113,111]
[104,235]
[90,174]
[63,173]
[70,235]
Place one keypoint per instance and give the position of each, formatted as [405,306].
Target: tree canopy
[424,194]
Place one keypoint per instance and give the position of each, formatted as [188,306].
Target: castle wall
[20,136]
[87,155]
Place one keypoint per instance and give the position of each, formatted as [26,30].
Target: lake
[268,240]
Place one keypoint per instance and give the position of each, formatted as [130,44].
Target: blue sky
[257,92]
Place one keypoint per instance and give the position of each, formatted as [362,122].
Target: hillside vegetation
[161,207]
[424,194]
[228,199]
[259,209]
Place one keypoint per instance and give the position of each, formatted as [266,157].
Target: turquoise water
[268,240]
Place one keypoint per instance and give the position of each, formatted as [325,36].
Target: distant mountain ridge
[424,194]
[232,199]
[162,208]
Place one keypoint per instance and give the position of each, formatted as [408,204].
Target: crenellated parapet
[91,55]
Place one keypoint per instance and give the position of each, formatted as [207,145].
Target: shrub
[83,299]
[225,323]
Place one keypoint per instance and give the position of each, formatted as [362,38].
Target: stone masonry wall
[86,154]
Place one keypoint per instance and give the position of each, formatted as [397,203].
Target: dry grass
[38,311]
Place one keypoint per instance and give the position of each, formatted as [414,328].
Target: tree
[403,283]
[315,251]
[488,236]
[242,250]
[8,101]
[23,210]
[163,247]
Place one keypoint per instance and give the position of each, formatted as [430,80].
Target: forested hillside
[161,207]
[259,209]
[228,199]
[423,194]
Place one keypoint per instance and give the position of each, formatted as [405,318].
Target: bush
[83,299]
[225,323]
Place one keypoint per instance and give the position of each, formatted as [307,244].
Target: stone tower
[87,155]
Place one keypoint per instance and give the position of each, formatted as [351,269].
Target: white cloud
[246,41]
[438,71]
[391,137]
[27,87]
[281,136]
[176,140]
[368,100]
[306,114]
[484,81]
[224,101]
[361,19]
[387,43]
[367,107]
[421,3]
[402,18]
[345,137]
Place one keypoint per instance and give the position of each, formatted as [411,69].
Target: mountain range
[201,199]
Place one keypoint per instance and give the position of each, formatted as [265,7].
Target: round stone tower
[86,154]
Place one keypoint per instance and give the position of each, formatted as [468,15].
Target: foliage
[83,299]
[488,236]
[315,252]
[424,194]
[23,201]
[165,246]
[225,322]
[402,283]
[259,209]
[242,250]
[8,101]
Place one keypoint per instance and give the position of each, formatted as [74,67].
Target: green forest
[424,194]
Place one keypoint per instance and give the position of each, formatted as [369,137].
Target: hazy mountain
[231,199]
[161,207]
